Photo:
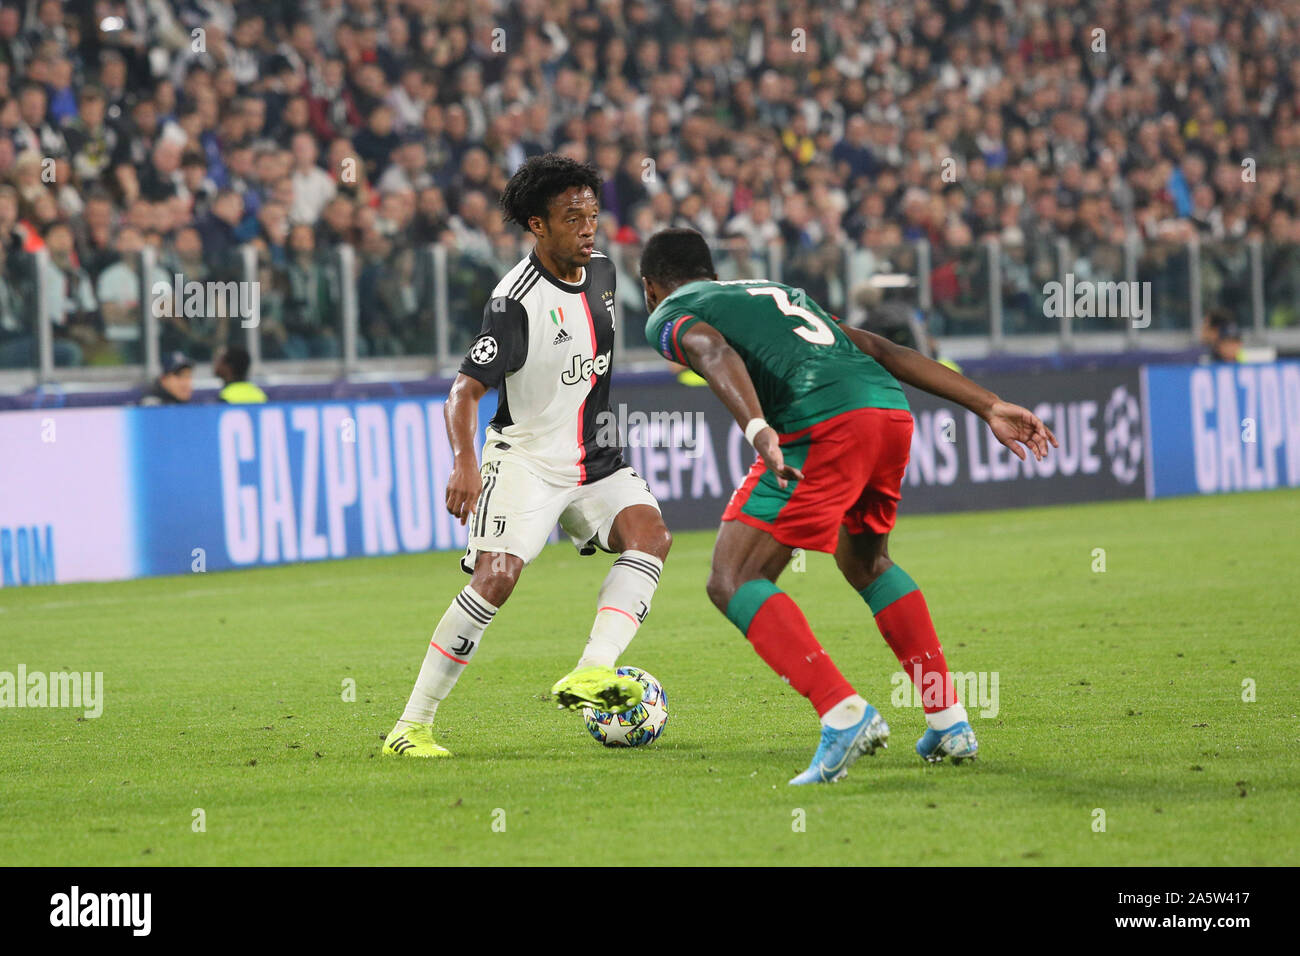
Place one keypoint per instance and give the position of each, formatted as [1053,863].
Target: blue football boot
[839,748]
[957,742]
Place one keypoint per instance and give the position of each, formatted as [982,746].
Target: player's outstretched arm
[724,370]
[1011,424]
[461,414]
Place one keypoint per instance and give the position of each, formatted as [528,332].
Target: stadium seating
[343,159]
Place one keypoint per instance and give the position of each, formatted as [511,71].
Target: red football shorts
[853,467]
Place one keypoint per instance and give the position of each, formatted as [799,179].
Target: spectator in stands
[15,51]
[36,131]
[120,295]
[175,386]
[273,229]
[17,331]
[138,136]
[336,224]
[375,143]
[308,301]
[313,188]
[69,297]
[31,173]
[196,187]
[219,230]
[91,141]
[231,366]
[430,221]
[94,234]
[756,224]
[851,135]
[410,168]
[470,226]
[159,180]
[1221,336]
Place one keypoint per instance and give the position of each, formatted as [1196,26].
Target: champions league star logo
[483,351]
[1123,423]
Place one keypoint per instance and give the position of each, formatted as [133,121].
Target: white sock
[943,719]
[622,606]
[846,713]
[455,639]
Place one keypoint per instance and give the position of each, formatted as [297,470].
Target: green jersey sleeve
[665,329]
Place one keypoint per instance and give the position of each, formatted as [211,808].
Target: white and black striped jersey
[547,346]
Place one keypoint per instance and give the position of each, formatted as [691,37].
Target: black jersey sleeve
[501,346]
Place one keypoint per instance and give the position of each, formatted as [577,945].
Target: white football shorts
[518,509]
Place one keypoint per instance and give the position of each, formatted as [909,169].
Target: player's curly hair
[539,180]
[675,256]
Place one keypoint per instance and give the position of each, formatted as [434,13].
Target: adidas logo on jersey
[561,338]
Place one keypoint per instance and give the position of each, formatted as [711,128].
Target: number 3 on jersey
[819,333]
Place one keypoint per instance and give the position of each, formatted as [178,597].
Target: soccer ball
[636,727]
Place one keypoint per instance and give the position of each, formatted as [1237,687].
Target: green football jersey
[804,368]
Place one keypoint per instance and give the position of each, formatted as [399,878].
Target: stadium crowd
[197,127]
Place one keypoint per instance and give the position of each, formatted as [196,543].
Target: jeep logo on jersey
[582,369]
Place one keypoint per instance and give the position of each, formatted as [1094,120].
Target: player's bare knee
[657,541]
[879,566]
[861,572]
[720,588]
[640,528]
[494,588]
[495,576]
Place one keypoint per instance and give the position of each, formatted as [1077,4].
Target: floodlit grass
[1119,691]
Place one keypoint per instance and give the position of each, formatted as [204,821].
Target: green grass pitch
[1119,691]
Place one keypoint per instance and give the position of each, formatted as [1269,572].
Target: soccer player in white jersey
[546,346]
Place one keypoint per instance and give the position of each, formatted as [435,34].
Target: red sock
[781,636]
[909,632]
[904,622]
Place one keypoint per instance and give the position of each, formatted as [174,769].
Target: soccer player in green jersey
[822,406]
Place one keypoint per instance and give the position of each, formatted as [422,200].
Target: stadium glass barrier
[1227,278]
[199,327]
[1103,263]
[302,301]
[965,291]
[1279,287]
[397,308]
[20,331]
[469,276]
[1170,267]
[1024,271]
[862,264]
[284,308]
